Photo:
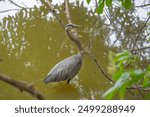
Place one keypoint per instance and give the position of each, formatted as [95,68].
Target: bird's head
[71,26]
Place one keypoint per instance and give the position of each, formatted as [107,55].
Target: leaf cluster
[127,74]
[127,4]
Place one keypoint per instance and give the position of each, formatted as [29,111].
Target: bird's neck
[75,38]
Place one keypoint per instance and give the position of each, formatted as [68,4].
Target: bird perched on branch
[69,67]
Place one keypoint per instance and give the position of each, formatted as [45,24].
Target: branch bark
[68,16]
[22,86]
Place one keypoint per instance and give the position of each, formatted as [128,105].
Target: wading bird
[69,67]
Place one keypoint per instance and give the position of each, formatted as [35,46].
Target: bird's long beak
[78,26]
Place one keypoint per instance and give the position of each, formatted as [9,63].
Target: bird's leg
[68,81]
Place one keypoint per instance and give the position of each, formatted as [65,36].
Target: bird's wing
[57,73]
[65,69]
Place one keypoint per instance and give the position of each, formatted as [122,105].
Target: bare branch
[22,86]
[137,37]
[68,16]
[99,66]
[139,87]
[139,49]
[16,4]
[139,91]
[9,10]
[144,5]
[51,7]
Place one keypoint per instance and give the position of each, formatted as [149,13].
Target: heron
[69,67]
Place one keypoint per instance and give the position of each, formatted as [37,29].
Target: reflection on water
[31,43]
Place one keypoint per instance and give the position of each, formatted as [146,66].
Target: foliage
[102,3]
[127,74]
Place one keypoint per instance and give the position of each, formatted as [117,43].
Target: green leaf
[125,52]
[148,68]
[122,80]
[117,75]
[122,59]
[100,7]
[108,3]
[109,93]
[136,75]
[122,91]
[88,1]
[126,4]
[146,82]
[121,54]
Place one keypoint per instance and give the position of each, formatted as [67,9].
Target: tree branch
[9,10]
[144,5]
[16,4]
[68,16]
[91,55]
[137,37]
[139,49]
[139,87]
[22,86]
[51,7]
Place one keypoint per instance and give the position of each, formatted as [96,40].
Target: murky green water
[31,44]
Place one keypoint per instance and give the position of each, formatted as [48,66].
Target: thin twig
[137,37]
[114,26]
[144,5]
[22,86]
[139,49]
[139,87]
[9,10]
[16,4]
[139,90]
[51,7]
[25,5]
[90,42]
[68,16]
[99,66]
